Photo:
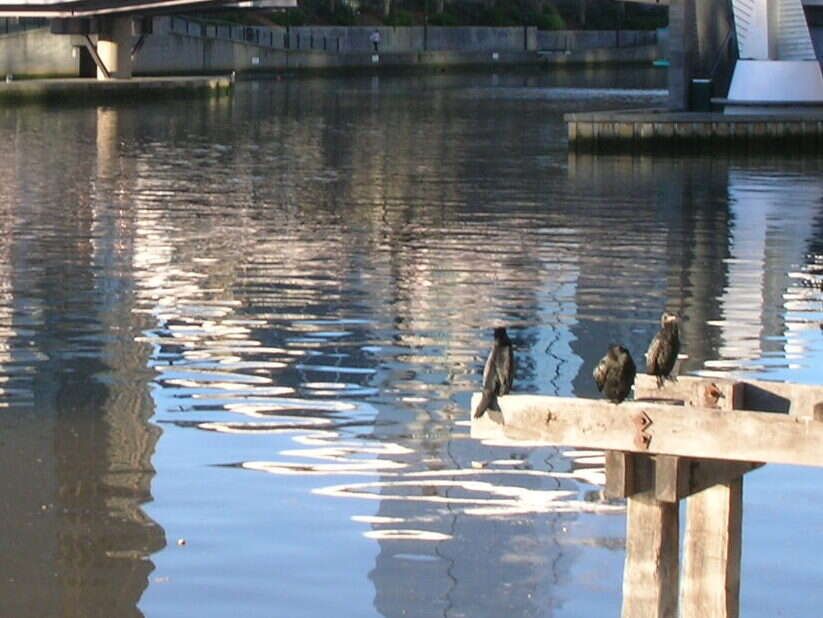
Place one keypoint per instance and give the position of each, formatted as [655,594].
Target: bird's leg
[659,381]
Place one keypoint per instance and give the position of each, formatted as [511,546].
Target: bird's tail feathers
[487,402]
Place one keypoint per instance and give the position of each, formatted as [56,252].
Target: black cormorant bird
[498,373]
[663,350]
[615,373]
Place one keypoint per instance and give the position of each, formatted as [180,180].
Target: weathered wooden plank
[650,574]
[796,399]
[696,392]
[754,395]
[656,429]
[710,583]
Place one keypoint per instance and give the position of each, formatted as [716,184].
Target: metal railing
[13,25]
[264,37]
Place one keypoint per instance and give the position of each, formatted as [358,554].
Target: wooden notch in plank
[700,433]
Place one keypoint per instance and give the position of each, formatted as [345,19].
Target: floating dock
[61,90]
[659,127]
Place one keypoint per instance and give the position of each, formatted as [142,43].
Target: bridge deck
[90,8]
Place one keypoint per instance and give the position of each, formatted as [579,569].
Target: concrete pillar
[114,47]
[697,46]
[682,41]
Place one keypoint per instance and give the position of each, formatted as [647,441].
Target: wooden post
[712,547]
[710,585]
[652,546]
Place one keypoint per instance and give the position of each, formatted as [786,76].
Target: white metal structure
[777,66]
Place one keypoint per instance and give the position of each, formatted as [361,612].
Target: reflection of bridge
[116,23]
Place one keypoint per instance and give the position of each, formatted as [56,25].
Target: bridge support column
[114,47]
[699,32]
[682,33]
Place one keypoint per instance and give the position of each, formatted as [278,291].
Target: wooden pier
[692,439]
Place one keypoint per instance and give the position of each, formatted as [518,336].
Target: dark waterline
[239,337]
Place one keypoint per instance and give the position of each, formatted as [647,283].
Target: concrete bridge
[115,23]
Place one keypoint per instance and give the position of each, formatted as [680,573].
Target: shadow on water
[298,284]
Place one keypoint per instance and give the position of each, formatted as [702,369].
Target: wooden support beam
[706,473]
[671,478]
[640,427]
[650,575]
[627,474]
[710,582]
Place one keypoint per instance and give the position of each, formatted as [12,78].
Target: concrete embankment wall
[36,52]
[576,40]
[182,46]
[414,39]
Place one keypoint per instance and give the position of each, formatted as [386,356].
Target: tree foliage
[543,14]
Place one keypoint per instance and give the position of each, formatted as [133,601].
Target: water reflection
[300,283]
[75,443]
[768,207]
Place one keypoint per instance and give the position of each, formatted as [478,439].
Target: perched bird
[663,349]
[615,373]
[498,373]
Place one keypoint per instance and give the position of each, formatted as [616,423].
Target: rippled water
[238,338]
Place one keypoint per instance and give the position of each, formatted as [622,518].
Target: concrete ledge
[646,54]
[628,129]
[59,90]
[319,60]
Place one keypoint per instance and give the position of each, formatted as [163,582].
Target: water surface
[239,337]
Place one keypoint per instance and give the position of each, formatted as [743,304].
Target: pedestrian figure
[374,37]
